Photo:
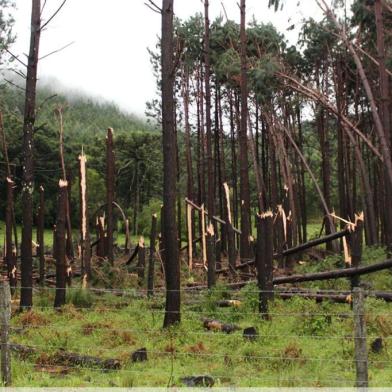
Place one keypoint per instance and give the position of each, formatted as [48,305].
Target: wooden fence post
[264,260]
[361,355]
[151,261]
[211,256]
[5,316]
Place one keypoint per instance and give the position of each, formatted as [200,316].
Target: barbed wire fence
[357,365]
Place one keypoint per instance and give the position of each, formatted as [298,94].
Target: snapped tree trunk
[61,266]
[85,246]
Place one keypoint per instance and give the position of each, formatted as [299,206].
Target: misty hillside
[83,116]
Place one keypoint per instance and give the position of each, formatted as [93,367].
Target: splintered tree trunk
[85,246]
[356,239]
[26,295]
[40,235]
[141,264]
[10,253]
[110,179]
[102,245]
[151,261]
[61,266]
[245,249]
[69,248]
[172,264]
[211,256]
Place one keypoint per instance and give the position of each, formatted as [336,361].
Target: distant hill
[84,116]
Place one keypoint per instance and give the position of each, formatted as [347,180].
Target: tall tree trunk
[245,249]
[26,295]
[207,76]
[172,264]
[188,149]
[385,113]
[110,181]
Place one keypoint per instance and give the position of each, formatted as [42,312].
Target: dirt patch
[32,319]
[196,348]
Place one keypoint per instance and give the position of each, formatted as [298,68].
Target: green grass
[48,236]
[304,344]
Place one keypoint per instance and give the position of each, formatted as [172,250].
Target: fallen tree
[300,248]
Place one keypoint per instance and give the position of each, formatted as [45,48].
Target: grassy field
[305,344]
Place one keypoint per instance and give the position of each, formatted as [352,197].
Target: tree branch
[57,50]
[152,6]
[54,15]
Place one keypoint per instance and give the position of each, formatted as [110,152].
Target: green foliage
[80,298]
[137,149]
[6,23]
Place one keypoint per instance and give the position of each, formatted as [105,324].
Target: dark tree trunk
[385,115]
[264,260]
[40,235]
[10,253]
[207,75]
[26,295]
[172,264]
[303,206]
[110,181]
[245,249]
[61,266]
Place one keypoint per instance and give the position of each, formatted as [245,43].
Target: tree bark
[151,261]
[172,264]
[245,249]
[26,295]
[110,181]
[41,236]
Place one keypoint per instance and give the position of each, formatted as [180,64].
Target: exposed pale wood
[190,240]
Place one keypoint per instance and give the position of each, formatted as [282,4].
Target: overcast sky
[108,58]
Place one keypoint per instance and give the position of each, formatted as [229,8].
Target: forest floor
[304,344]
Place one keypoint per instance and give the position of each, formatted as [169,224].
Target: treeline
[306,127]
